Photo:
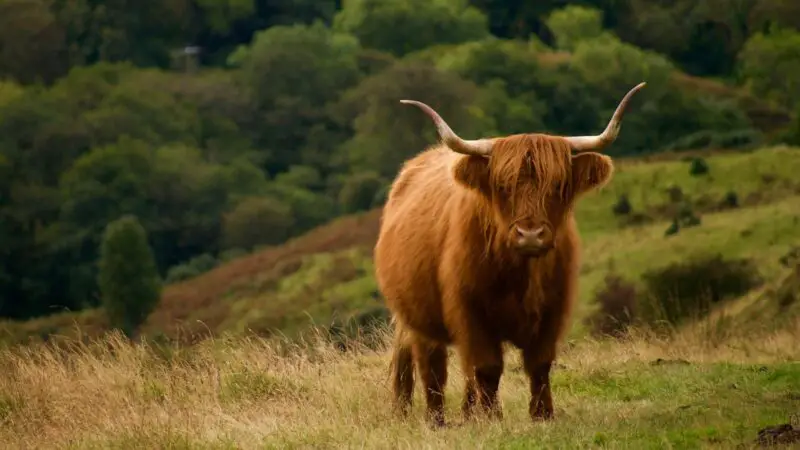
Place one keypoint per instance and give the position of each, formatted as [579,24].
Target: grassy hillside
[687,392]
[327,273]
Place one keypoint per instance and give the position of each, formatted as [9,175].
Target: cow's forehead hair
[545,158]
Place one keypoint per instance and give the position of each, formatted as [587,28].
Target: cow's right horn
[609,135]
[479,147]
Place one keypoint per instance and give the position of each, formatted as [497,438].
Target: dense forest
[225,125]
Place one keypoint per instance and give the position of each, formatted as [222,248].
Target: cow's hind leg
[431,361]
[402,370]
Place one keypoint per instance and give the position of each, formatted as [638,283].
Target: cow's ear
[473,173]
[590,171]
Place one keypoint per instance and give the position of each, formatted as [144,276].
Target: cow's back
[410,243]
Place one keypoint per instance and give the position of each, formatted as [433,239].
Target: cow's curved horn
[609,135]
[479,147]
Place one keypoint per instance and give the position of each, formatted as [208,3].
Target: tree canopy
[226,125]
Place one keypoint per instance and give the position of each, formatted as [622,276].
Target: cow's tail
[402,368]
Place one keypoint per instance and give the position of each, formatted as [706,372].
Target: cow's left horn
[609,135]
[479,147]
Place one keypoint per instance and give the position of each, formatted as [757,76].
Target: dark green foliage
[622,206]
[128,279]
[617,306]
[251,140]
[361,329]
[257,221]
[360,191]
[698,166]
[705,139]
[675,194]
[402,26]
[673,228]
[731,200]
[689,288]
[381,195]
[791,258]
[686,216]
[192,268]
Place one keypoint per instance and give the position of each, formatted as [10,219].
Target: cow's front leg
[541,404]
[482,363]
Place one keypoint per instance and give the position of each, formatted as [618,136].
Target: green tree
[359,192]
[129,283]
[509,74]
[257,221]
[388,132]
[770,62]
[34,47]
[402,26]
[573,24]
[292,73]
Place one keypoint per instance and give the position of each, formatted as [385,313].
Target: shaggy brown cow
[478,246]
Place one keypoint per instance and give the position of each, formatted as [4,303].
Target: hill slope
[327,273]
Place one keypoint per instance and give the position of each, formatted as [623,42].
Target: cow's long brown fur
[449,276]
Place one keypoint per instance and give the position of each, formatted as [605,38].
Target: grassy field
[712,383]
[694,390]
[327,274]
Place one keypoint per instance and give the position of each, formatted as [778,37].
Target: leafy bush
[686,216]
[573,24]
[359,192]
[622,206]
[231,254]
[381,195]
[617,307]
[743,138]
[198,265]
[402,26]
[675,194]
[689,288]
[363,328]
[128,279]
[731,200]
[674,228]
[256,221]
[769,63]
[698,166]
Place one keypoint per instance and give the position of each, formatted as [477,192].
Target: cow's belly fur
[511,308]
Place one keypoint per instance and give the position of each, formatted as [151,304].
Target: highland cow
[478,247]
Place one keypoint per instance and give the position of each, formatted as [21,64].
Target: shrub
[675,194]
[698,166]
[573,24]
[690,288]
[363,328]
[191,268]
[231,254]
[731,200]
[673,228]
[623,206]
[257,221]
[381,196]
[128,278]
[359,191]
[686,216]
[617,307]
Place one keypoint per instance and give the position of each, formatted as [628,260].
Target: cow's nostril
[530,234]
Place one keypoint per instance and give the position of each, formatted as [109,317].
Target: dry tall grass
[252,393]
